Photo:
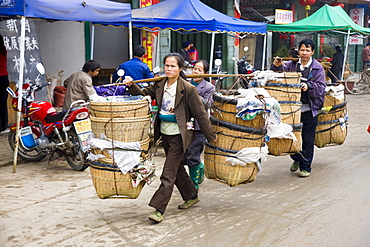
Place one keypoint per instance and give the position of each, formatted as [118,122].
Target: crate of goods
[332,126]
[109,181]
[225,110]
[286,146]
[236,137]
[129,108]
[127,129]
[217,168]
[284,86]
[290,112]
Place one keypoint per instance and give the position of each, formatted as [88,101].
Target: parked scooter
[244,67]
[44,130]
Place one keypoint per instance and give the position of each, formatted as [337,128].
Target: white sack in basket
[125,160]
[248,104]
[281,130]
[249,156]
[336,91]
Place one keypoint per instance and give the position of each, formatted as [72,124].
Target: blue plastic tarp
[191,15]
[99,11]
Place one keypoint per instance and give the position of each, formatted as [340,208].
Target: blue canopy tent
[193,15]
[99,11]
[68,10]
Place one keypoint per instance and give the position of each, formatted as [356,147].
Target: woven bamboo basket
[330,100]
[134,108]
[225,110]
[216,168]
[286,87]
[112,183]
[236,137]
[330,133]
[285,146]
[122,129]
[290,112]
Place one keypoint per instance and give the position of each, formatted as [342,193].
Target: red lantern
[337,3]
[307,3]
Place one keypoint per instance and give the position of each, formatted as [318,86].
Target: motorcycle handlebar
[37,88]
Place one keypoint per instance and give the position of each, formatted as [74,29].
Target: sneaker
[294,167]
[156,216]
[189,203]
[304,173]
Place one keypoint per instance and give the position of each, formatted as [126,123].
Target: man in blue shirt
[135,67]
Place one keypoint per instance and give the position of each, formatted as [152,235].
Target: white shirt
[301,67]
[167,108]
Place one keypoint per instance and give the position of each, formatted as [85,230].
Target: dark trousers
[173,173]
[305,157]
[195,149]
[4,83]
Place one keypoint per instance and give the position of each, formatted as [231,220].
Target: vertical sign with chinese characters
[357,16]
[10,29]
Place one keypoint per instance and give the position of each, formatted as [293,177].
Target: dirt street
[59,206]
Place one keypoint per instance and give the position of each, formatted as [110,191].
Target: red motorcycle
[44,131]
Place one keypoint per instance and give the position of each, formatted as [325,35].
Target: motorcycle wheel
[24,153]
[75,155]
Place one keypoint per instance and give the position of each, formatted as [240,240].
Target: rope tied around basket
[239,137]
[336,122]
[138,108]
[111,112]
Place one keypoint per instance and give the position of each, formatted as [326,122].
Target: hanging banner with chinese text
[10,29]
[147,38]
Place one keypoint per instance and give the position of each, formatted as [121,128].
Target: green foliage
[282,51]
[328,50]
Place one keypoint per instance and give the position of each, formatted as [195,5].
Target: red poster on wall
[147,37]
[237,14]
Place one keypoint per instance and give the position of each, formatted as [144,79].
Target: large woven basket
[225,110]
[285,87]
[285,146]
[134,108]
[290,112]
[216,168]
[122,129]
[330,133]
[336,112]
[236,137]
[112,183]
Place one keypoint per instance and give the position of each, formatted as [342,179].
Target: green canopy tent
[326,19]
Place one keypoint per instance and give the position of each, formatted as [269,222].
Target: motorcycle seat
[55,116]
